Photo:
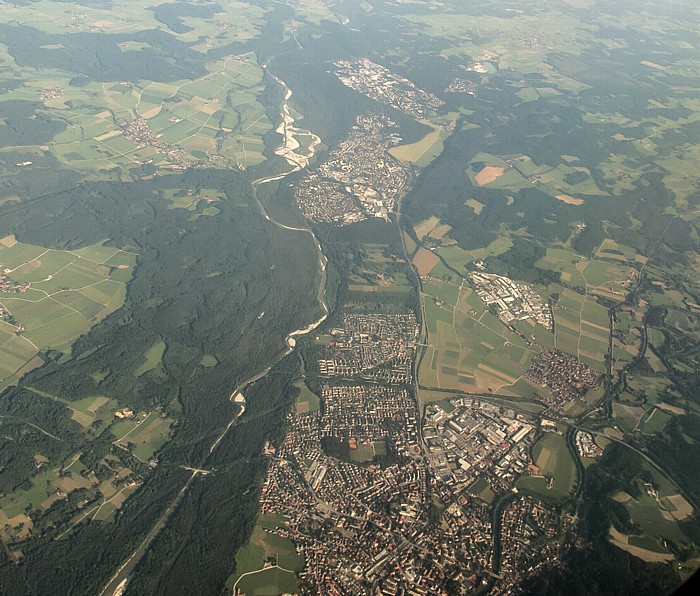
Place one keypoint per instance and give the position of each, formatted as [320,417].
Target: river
[118,583]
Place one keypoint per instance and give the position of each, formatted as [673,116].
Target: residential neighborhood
[359,179]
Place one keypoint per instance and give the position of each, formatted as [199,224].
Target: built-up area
[381,498]
[383,495]
[376,347]
[514,301]
[379,83]
[359,179]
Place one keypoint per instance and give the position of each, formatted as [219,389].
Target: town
[372,347]
[358,421]
[394,526]
[528,528]
[514,301]
[379,83]
[359,178]
[378,503]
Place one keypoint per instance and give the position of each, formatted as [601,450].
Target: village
[10,286]
[461,86]
[567,377]
[49,94]
[140,133]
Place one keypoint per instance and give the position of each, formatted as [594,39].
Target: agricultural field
[468,347]
[200,202]
[144,435]
[655,421]
[425,261]
[628,417]
[211,27]
[422,152]
[499,38]
[93,414]
[498,362]
[609,274]
[214,119]
[142,104]
[101,496]
[558,475]
[57,296]
[581,328]
[103,485]
[565,182]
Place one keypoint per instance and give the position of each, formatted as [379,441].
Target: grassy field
[494,31]
[307,401]
[209,361]
[423,152]
[552,456]
[69,292]
[627,416]
[457,257]
[377,272]
[269,582]
[151,358]
[261,546]
[655,421]
[482,490]
[657,509]
[144,436]
[58,479]
[55,484]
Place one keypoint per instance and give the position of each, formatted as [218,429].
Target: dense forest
[199,287]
